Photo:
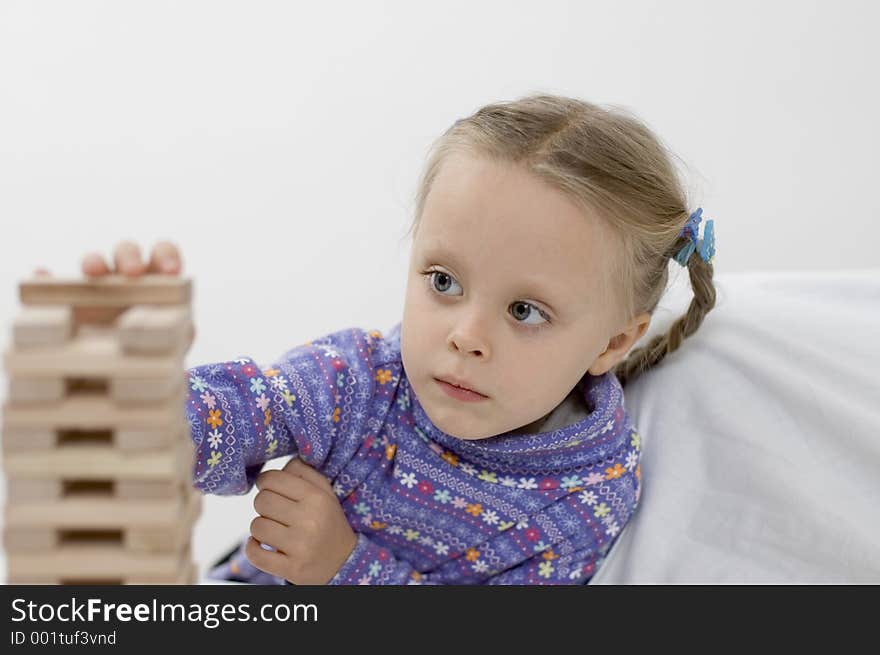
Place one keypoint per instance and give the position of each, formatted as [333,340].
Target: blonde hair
[609,162]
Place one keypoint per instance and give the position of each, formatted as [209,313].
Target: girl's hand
[302,519]
[164,259]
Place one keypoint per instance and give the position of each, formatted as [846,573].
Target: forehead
[498,218]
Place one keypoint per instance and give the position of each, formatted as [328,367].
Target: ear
[620,344]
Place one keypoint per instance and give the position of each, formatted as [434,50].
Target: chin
[460,430]
[456,426]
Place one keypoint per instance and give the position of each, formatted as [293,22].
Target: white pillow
[760,437]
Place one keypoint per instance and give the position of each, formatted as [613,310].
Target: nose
[468,337]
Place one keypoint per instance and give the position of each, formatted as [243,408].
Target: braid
[647,356]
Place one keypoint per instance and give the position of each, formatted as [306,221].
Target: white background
[279,144]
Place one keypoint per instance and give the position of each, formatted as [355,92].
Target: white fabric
[760,437]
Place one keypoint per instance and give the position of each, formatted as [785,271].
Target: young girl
[483,439]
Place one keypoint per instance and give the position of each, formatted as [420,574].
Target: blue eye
[439,275]
[446,281]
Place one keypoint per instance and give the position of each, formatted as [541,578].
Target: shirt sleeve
[372,564]
[312,401]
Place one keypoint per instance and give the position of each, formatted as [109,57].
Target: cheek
[413,301]
[413,335]
[542,370]
[417,311]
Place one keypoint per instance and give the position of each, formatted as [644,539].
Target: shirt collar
[594,440]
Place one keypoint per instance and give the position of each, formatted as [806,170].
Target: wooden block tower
[96,448]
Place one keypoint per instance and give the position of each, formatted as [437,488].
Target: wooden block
[27,439]
[134,440]
[114,290]
[148,330]
[147,390]
[23,439]
[42,326]
[29,539]
[192,574]
[98,412]
[36,390]
[187,574]
[144,489]
[167,537]
[121,389]
[93,352]
[157,540]
[28,489]
[101,513]
[102,463]
[84,316]
[78,562]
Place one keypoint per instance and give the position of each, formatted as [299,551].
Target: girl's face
[507,293]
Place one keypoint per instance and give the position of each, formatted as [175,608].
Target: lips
[460,384]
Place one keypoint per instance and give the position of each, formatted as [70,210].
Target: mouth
[459,391]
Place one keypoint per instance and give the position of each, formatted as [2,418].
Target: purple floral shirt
[428,508]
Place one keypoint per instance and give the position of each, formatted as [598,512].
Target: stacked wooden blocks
[96,448]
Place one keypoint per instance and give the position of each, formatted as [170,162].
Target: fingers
[268,531]
[128,260]
[285,484]
[299,468]
[265,560]
[93,265]
[165,258]
[274,506]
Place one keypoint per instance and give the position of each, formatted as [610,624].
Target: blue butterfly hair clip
[705,246]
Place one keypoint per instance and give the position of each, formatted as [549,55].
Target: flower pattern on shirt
[427,508]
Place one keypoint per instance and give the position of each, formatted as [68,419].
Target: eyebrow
[438,252]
